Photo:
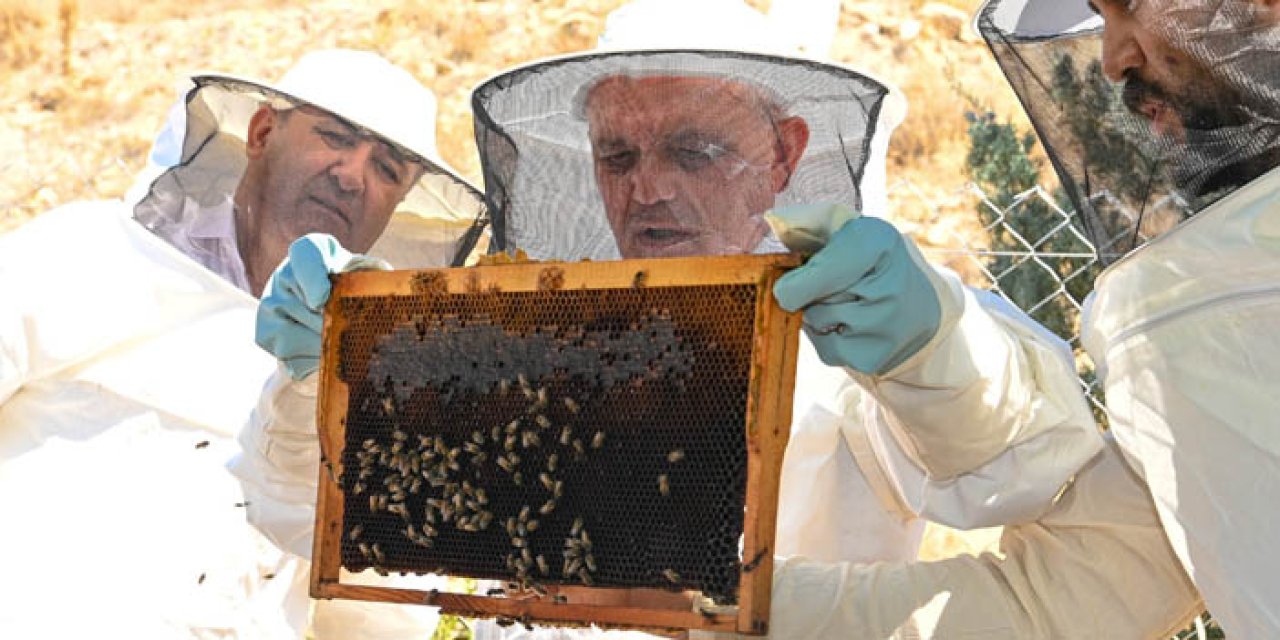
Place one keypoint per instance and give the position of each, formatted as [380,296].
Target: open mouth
[657,240]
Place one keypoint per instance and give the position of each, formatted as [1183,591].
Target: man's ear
[793,138]
[261,125]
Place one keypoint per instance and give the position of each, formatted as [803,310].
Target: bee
[597,440]
[542,396]
[565,434]
[585,577]
[373,503]
[590,560]
[370,444]
[542,421]
[355,532]
[578,448]
[586,540]
[671,576]
[517,479]
[399,435]
[477,437]
[504,386]
[471,447]
[519,543]
[547,507]
[664,485]
[524,386]
[526,556]
[577,526]
[524,513]
[495,433]
[510,444]
[532,526]
[457,501]
[429,530]
[552,461]
[505,464]
[675,456]
[486,517]
[388,407]
[512,427]
[547,481]
[364,550]
[572,565]
[540,590]
[482,496]
[511,527]
[377,553]
[497,591]
[202,444]
[542,565]
[531,440]
[570,405]
[515,459]
[358,488]
[560,599]
[558,489]
[479,458]
[397,446]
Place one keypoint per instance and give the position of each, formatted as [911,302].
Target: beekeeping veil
[1210,128]
[438,221]
[674,126]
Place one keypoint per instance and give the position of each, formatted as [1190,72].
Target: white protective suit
[125,369]
[1186,332]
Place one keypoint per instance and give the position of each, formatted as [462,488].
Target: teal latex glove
[290,318]
[867,303]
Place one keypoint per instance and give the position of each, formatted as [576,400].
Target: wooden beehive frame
[772,381]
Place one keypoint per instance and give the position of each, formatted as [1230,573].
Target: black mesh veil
[1184,109]
[576,150]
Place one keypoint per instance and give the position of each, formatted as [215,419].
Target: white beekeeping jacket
[126,370]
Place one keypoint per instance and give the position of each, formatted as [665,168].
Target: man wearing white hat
[126,368]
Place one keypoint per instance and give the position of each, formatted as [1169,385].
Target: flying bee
[664,485]
[671,576]
[565,434]
[675,456]
[597,440]
[570,405]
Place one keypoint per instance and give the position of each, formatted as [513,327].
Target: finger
[854,251]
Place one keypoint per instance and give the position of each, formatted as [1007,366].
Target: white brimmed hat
[533,137]
[442,211]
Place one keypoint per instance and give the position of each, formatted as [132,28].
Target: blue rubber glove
[867,304]
[290,318]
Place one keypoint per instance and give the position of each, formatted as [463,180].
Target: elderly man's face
[687,165]
[1162,82]
[319,174]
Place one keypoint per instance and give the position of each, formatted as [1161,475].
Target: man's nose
[1121,51]
[651,183]
[351,167]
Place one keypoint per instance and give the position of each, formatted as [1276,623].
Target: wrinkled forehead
[397,153]
[628,106]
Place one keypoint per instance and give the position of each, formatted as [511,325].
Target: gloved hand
[289,318]
[867,302]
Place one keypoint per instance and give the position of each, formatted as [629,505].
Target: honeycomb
[589,436]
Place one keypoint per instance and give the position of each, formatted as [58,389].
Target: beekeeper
[1163,121]
[126,368]
[583,162]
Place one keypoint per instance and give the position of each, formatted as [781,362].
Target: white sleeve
[279,464]
[1096,566]
[987,423]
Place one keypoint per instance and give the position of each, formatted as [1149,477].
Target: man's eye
[336,139]
[693,158]
[619,162]
[389,172]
